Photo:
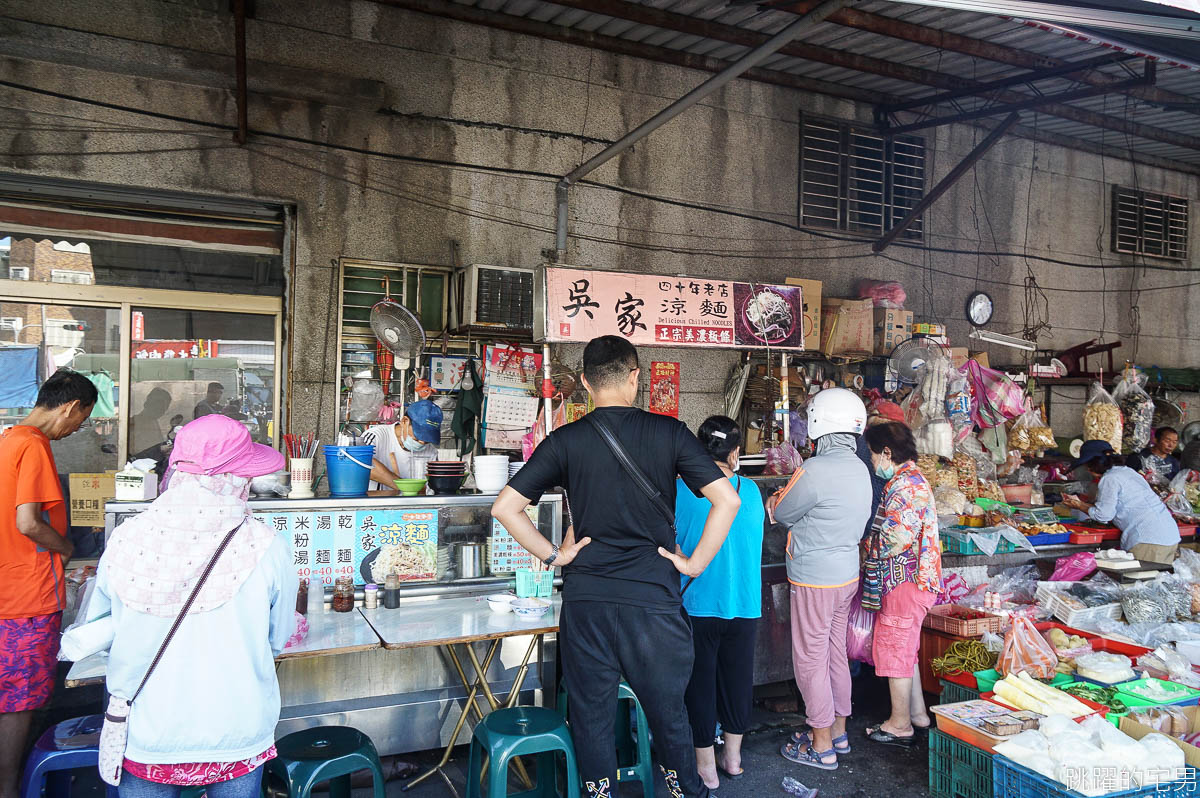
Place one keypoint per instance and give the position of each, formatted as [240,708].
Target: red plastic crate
[1090,537]
[1046,626]
[1105,532]
[1187,530]
[1117,647]
[961,679]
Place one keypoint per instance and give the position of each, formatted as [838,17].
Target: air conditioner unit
[493,298]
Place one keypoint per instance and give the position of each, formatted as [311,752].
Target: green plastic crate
[957,769]
[1186,695]
[952,693]
[534,584]
[957,543]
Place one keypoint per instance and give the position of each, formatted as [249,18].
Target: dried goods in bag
[1137,410]
[1030,432]
[1102,418]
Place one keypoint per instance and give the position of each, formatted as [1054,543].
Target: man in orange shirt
[34,551]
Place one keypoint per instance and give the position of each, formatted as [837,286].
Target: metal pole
[239,61]
[727,75]
[548,389]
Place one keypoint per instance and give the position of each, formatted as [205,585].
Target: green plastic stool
[633,756]
[518,731]
[325,753]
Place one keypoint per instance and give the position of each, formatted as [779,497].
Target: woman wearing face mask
[724,603]
[402,449]
[905,555]
[825,506]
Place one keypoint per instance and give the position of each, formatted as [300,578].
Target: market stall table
[328,633]
[463,622]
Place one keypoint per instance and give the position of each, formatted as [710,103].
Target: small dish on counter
[530,608]
[501,602]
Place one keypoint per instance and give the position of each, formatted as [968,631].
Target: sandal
[887,738]
[814,759]
[731,776]
[841,744]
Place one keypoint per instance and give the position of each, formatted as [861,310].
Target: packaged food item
[1105,666]
[1030,433]
[1102,418]
[1137,409]
[1026,651]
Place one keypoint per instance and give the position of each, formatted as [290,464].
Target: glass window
[187,364]
[140,265]
[37,339]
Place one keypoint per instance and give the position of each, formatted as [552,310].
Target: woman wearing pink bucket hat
[207,711]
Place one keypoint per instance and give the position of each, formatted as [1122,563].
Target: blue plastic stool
[325,753]
[49,764]
[633,757]
[508,733]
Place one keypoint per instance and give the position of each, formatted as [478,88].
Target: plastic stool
[49,763]
[508,733]
[325,753]
[633,757]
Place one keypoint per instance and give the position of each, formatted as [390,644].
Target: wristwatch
[553,556]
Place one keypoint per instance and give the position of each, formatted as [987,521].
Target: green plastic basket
[952,693]
[1186,695]
[987,680]
[534,584]
[957,769]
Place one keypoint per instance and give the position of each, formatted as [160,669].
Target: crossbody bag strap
[636,474]
[187,605]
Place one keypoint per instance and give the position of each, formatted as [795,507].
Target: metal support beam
[239,60]
[1031,104]
[681,23]
[1028,78]
[946,182]
[722,78]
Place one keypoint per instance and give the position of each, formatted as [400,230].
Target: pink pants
[897,641]
[819,618]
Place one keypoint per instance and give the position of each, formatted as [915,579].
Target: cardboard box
[135,486]
[754,441]
[88,493]
[847,326]
[1137,730]
[892,328]
[982,359]
[810,293]
[959,355]
[926,328]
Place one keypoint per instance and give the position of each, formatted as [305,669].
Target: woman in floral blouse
[906,554]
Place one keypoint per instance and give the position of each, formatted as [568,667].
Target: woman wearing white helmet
[826,505]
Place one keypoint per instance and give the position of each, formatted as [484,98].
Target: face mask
[413,445]
[885,472]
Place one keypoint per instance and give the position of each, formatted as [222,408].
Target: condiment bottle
[302,598]
[343,594]
[371,597]
[391,591]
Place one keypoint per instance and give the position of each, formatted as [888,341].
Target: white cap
[836,410]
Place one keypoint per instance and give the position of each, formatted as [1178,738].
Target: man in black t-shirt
[621,613]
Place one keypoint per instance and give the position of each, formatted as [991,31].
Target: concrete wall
[375,78]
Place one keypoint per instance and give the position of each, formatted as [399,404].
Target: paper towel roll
[87,639]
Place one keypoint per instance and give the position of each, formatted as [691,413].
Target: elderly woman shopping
[826,505]
[207,708]
[904,565]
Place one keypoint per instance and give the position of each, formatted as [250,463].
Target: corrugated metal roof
[942,66]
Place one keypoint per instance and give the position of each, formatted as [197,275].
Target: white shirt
[383,438]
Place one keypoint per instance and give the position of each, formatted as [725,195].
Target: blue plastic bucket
[349,469]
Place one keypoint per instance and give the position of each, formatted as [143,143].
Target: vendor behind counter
[1125,499]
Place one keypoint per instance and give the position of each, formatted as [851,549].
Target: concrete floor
[871,771]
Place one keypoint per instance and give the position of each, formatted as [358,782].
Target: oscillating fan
[1190,433]
[397,328]
[909,358]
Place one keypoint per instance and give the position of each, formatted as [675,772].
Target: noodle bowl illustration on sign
[768,316]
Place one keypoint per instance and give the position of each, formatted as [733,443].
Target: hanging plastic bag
[1102,418]
[1026,651]
[994,397]
[1031,433]
[1137,410]
[1074,567]
[366,399]
[958,406]
[860,631]
[534,437]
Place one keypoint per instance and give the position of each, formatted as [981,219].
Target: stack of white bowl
[513,468]
[491,472]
